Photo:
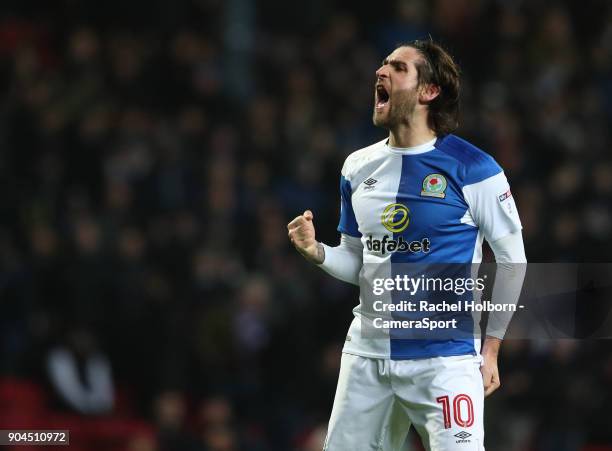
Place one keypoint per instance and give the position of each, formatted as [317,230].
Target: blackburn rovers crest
[434,185]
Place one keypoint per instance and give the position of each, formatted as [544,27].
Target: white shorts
[378,399]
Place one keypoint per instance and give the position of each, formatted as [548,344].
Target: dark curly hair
[439,68]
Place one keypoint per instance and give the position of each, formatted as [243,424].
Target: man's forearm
[319,255]
[511,266]
[345,261]
[490,347]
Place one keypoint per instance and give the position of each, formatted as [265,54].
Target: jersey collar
[421,148]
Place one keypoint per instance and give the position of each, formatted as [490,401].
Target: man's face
[396,90]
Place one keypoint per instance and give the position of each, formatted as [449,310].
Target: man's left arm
[494,211]
[511,266]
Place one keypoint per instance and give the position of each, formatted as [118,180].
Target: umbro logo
[370,183]
[462,436]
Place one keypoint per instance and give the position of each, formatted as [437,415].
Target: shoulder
[476,164]
[357,159]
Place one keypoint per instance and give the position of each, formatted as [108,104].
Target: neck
[410,135]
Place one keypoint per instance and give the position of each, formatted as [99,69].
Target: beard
[400,110]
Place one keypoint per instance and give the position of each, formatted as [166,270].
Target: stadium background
[153,152]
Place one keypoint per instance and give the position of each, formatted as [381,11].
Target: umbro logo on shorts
[463,437]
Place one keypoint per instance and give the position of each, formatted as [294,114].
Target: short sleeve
[348,223]
[492,207]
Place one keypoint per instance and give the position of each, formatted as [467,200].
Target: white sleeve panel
[492,207]
[509,249]
[344,261]
[511,267]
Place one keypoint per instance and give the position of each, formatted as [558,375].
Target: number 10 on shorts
[458,414]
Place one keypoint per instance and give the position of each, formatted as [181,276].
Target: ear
[429,92]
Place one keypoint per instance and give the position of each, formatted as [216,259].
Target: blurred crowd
[153,152]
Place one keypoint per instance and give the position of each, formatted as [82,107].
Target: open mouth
[382,96]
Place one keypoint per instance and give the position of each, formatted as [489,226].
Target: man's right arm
[344,261]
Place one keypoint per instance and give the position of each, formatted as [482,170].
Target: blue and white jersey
[430,204]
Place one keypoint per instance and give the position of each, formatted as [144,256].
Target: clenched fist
[489,370]
[302,235]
